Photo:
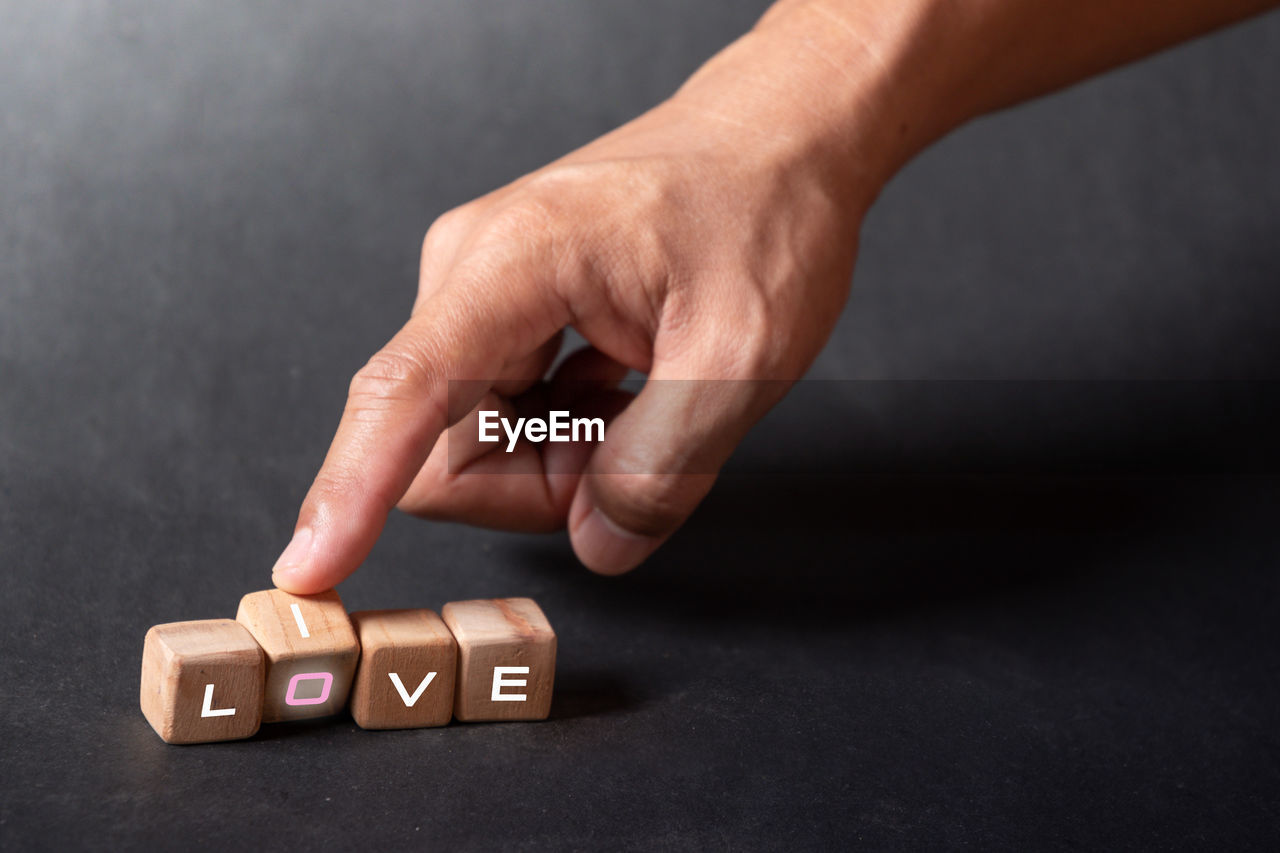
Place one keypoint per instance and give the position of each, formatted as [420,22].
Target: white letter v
[404,694]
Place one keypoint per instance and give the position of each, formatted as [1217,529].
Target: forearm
[866,84]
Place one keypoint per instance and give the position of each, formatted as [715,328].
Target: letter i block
[407,663]
[202,681]
[311,652]
[506,659]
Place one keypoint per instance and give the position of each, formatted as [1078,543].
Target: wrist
[850,88]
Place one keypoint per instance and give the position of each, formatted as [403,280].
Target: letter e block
[506,659]
[406,673]
[311,652]
[202,681]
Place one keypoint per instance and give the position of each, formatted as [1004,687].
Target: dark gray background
[210,215]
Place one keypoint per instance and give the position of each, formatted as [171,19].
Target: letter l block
[202,681]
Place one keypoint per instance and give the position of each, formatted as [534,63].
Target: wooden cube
[202,681]
[311,652]
[506,659]
[406,673]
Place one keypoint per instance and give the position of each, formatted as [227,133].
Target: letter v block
[407,663]
[506,659]
[311,652]
[202,681]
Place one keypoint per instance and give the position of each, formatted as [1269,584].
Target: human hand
[712,238]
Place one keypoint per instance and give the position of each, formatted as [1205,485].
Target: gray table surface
[209,217]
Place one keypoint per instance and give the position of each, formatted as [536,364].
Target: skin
[713,237]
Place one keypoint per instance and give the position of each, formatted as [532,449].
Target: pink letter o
[290,699]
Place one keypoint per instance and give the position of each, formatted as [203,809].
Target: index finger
[397,405]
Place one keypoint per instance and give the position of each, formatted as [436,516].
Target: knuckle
[760,344]
[647,504]
[761,357]
[524,222]
[391,374]
[398,382]
[445,232]
[741,354]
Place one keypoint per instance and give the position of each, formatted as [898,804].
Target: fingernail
[295,554]
[608,549]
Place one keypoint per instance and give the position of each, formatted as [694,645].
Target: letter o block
[311,652]
[202,681]
[506,659]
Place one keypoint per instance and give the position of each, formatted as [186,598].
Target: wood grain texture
[180,660]
[412,645]
[328,645]
[501,632]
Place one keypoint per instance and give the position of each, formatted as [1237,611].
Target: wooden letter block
[506,659]
[202,681]
[407,663]
[311,652]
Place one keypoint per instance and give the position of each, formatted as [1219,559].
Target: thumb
[659,459]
